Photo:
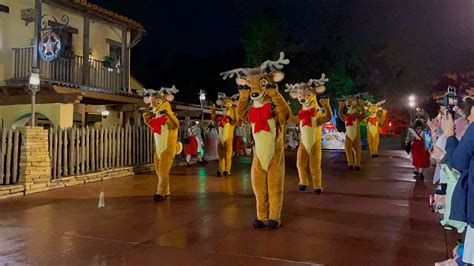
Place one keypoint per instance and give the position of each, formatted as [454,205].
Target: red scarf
[373,120]
[156,124]
[260,116]
[222,120]
[350,118]
[306,117]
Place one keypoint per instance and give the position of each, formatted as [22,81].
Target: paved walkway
[378,216]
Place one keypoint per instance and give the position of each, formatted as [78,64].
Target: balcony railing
[69,70]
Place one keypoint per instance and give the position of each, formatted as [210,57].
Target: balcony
[70,70]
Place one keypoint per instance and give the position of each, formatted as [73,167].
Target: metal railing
[69,70]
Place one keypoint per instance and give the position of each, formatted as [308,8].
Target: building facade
[89,83]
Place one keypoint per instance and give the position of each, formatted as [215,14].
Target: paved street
[378,216]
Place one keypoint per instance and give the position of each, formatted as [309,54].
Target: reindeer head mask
[306,93]
[160,100]
[259,79]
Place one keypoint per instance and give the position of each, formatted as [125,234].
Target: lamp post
[202,98]
[35,80]
[411,104]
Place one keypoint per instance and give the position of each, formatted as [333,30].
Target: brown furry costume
[352,119]
[310,120]
[268,115]
[374,121]
[165,126]
[225,125]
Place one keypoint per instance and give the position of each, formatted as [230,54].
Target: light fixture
[202,95]
[34,79]
[390,124]
[411,98]
[411,104]
[417,109]
[105,113]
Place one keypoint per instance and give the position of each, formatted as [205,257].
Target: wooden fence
[9,156]
[77,151]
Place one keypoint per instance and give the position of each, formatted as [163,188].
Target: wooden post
[87,153]
[78,152]
[16,144]
[101,154]
[65,151]
[92,150]
[3,137]
[55,153]
[83,151]
[60,148]
[85,52]
[9,157]
[124,63]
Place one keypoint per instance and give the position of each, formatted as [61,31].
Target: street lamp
[34,86]
[202,98]
[411,103]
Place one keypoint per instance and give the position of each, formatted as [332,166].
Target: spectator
[195,144]
[239,144]
[416,142]
[461,156]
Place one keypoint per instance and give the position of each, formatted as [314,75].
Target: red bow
[306,117]
[260,116]
[350,118]
[373,120]
[222,120]
[156,124]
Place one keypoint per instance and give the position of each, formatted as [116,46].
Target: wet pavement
[378,216]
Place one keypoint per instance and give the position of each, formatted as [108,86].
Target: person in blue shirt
[461,157]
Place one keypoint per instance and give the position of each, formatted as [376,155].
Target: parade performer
[225,125]
[416,141]
[268,113]
[164,125]
[310,120]
[352,119]
[374,121]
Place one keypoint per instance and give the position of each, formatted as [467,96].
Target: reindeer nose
[255,95]
[302,101]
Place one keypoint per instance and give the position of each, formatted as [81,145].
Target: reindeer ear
[277,76]
[320,89]
[147,99]
[219,102]
[293,94]
[241,81]
[169,97]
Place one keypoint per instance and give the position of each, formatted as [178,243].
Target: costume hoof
[218,174]
[225,173]
[158,197]
[376,156]
[373,156]
[257,224]
[421,176]
[272,224]
[301,187]
[350,167]
[357,168]
[318,191]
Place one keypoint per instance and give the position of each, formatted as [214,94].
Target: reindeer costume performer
[352,119]
[375,120]
[268,115]
[310,120]
[164,125]
[225,125]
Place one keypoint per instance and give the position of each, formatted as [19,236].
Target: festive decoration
[310,119]
[258,87]
[50,46]
[165,126]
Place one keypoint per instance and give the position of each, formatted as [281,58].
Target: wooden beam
[86,51]
[124,58]
[41,98]
[66,29]
[113,42]
[97,95]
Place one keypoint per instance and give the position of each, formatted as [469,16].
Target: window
[115,52]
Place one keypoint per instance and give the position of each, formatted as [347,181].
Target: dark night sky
[190,42]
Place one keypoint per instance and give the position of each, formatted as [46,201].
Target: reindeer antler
[318,82]
[146,92]
[289,87]
[235,97]
[275,65]
[380,103]
[221,95]
[234,72]
[172,90]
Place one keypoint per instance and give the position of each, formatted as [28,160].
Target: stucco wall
[14,33]
[59,114]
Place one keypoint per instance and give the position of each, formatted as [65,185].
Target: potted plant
[109,62]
